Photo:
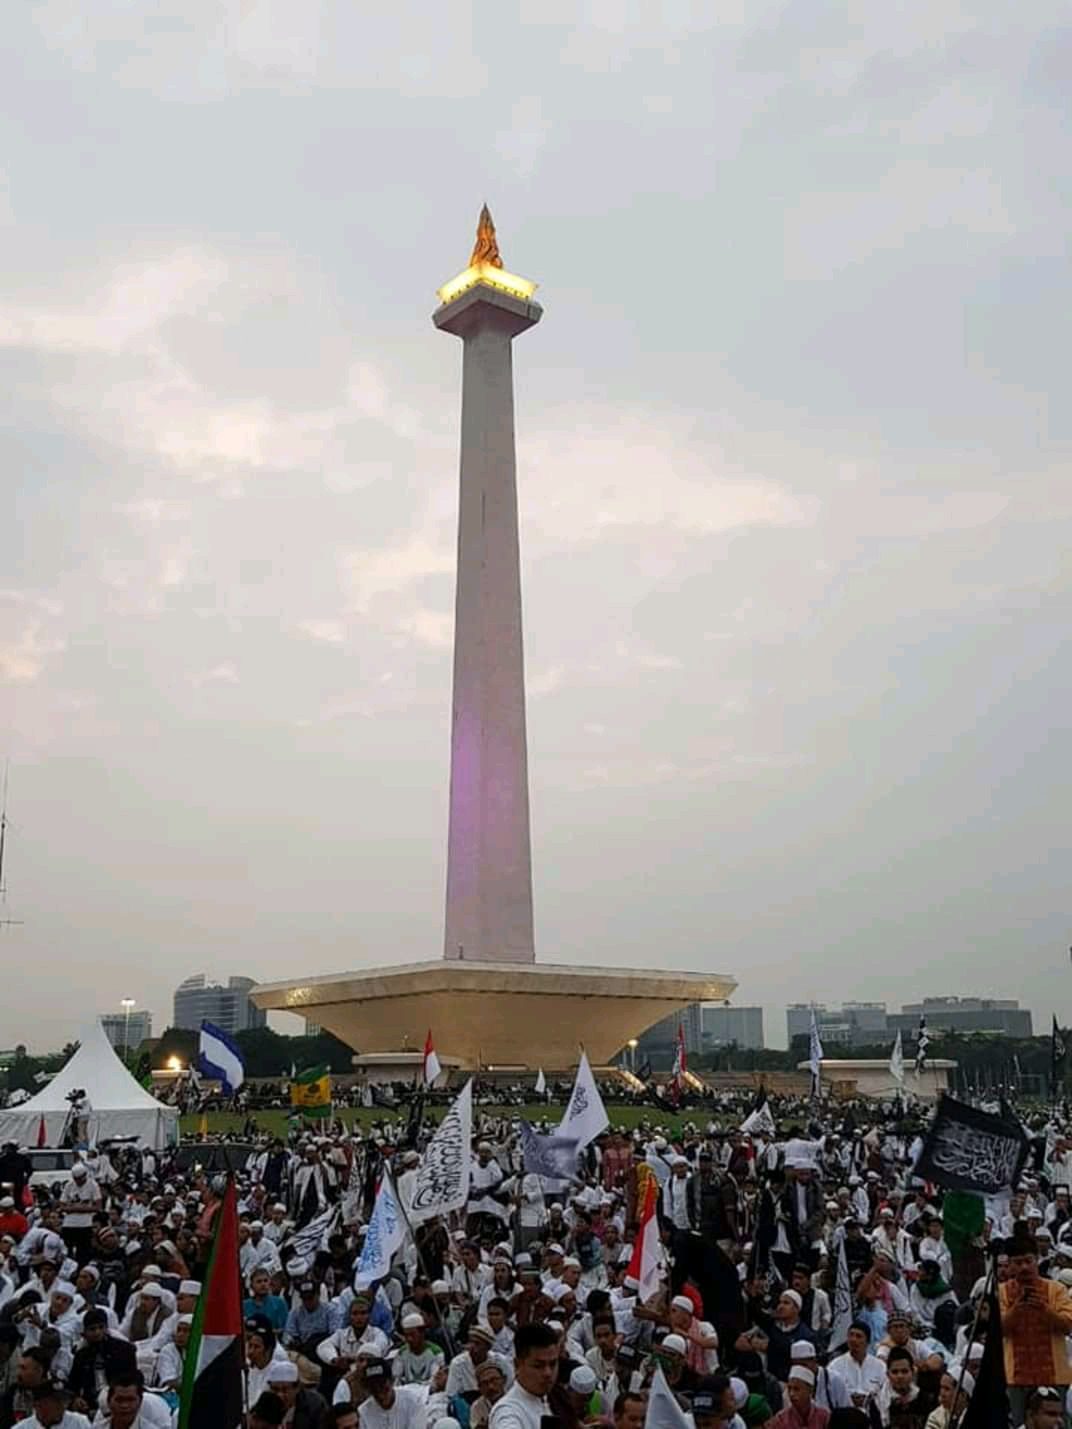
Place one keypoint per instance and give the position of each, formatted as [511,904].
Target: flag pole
[984,1298]
[416,1243]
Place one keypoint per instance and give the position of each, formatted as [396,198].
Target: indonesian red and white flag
[647,1261]
[681,1059]
[42,1132]
[432,1068]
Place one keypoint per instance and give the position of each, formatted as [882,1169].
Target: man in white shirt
[80,1198]
[535,1368]
[485,1178]
[462,1377]
[51,1412]
[341,1349]
[390,1405]
[863,1373]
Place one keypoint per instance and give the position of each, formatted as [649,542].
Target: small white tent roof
[120,1107]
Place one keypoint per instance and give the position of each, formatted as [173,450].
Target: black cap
[704,1401]
[376,1370]
[47,1389]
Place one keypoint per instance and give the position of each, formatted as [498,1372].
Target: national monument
[487,1000]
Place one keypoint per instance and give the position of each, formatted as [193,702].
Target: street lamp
[174,1064]
[632,1045]
[127,1004]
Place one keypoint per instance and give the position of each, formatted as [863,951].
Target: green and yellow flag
[310,1092]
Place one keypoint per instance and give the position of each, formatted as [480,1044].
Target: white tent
[119,1106]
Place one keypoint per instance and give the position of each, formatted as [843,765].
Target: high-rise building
[1002,1016]
[197,1000]
[853,1024]
[733,1026]
[127,1029]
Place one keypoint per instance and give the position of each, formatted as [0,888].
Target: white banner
[384,1235]
[443,1178]
[663,1410]
[586,1116]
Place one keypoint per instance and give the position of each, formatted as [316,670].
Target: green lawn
[275,1122]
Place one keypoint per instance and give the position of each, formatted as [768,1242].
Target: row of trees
[265,1053]
[984,1061]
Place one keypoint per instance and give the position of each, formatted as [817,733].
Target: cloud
[524,140]
[325,632]
[434,628]
[222,674]
[24,655]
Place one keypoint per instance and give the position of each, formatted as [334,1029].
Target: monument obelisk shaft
[489,859]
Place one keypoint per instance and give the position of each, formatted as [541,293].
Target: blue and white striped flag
[218,1056]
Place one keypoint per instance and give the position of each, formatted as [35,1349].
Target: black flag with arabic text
[970,1150]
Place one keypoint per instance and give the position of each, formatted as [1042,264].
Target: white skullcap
[446,1423]
[802,1350]
[791,1295]
[189,1287]
[804,1375]
[631,1282]
[64,1287]
[282,1372]
[185,1320]
[675,1344]
[440,1287]
[583,1379]
[740,1392]
[413,1322]
[682,1302]
[152,1290]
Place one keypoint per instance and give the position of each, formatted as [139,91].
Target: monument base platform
[482,1013]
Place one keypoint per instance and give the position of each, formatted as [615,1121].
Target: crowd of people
[525,1310]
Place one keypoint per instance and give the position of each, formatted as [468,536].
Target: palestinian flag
[211,1396]
[310,1092]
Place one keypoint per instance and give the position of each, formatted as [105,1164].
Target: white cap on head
[189,1287]
[802,1350]
[413,1322]
[583,1380]
[791,1295]
[64,1287]
[282,1372]
[152,1291]
[740,1392]
[804,1375]
[675,1344]
[682,1302]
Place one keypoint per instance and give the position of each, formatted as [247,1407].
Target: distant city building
[197,1000]
[740,1026]
[1003,1016]
[853,1024]
[125,1030]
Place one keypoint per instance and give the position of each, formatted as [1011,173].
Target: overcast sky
[794,469]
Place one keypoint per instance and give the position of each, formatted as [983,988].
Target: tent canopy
[120,1107]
